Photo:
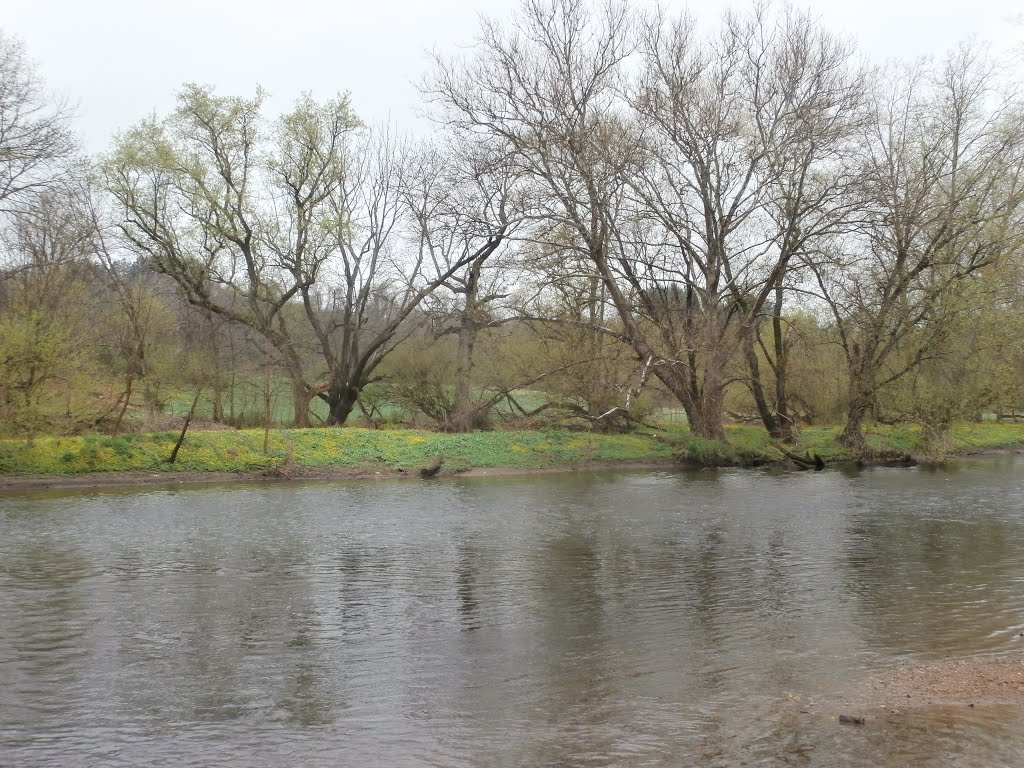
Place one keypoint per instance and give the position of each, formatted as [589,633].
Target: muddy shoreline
[137,478]
[10,483]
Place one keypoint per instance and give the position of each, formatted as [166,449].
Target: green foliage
[48,382]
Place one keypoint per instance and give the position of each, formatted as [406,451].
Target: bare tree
[384,265]
[738,173]
[548,87]
[942,178]
[35,136]
[675,192]
[814,98]
[460,200]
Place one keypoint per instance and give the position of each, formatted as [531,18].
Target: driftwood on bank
[809,461]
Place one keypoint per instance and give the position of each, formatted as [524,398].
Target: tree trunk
[783,416]
[768,418]
[464,414]
[775,416]
[464,370]
[707,417]
[218,400]
[127,401]
[852,435]
[461,420]
[301,397]
[777,421]
[341,401]
[465,420]
[710,401]
[706,410]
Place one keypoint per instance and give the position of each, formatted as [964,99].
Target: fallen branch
[814,462]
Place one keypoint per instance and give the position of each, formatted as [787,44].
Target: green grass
[247,403]
[241,450]
[406,449]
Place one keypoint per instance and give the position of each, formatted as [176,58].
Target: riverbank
[352,453]
[349,453]
[132,478]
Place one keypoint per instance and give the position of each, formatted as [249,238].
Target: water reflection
[936,571]
[711,618]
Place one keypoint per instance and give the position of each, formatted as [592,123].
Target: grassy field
[246,405]
[404,449]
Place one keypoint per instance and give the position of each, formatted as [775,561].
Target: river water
[716,618]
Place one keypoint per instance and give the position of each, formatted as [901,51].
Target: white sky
[119,60]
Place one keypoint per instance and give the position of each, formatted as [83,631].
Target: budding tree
[238,212]
[942,188]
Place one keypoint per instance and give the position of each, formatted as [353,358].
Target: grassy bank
[747,444]
[409,450]
[356,449]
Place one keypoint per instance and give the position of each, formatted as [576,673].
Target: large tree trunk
[463,413]
[707,417]
[852,435]
[464,369]
[466,415]
[703,404]
[703,401]
[783,415]
[768,419]
[710,400]
[473,417]
[341,400]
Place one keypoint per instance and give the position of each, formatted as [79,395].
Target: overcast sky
[119,60]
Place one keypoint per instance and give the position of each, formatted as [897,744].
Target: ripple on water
[717,618]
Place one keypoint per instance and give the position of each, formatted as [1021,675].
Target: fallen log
[814,462]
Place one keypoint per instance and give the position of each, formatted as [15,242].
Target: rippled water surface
[635,619]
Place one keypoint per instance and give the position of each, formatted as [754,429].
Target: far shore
[13,483]
[131,478]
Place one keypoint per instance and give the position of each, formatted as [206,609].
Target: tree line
[616,211]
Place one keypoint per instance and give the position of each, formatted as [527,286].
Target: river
[716,618]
